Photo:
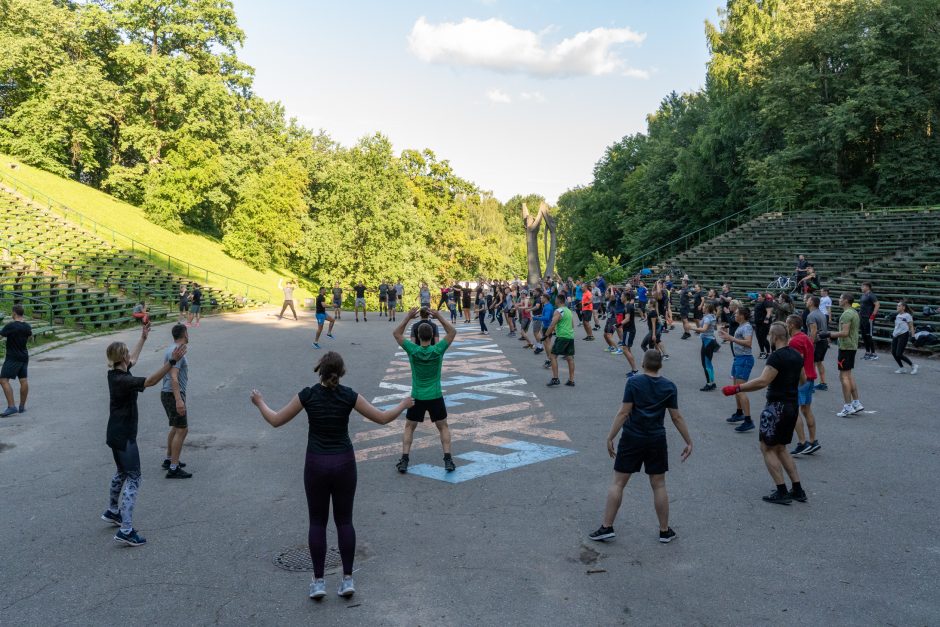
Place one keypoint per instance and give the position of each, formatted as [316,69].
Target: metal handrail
[711,229]
[16,295]
[171,261]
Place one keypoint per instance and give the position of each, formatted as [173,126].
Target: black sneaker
[603,533]
[132,538]
[569,383]
[166,464]
[538,350]
[449,465]
[708,387]
[554,382]
[179,473]
[548,363]
[812,447]
[111,517]
[799,449]
[589,338]
[667,536]
[402,465]
[798,496]
[778,497]
[685,336]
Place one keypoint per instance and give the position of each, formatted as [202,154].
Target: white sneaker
[847,410]
[346,587]
[857,406]
[873,357]
[914,369]
[902,370]
[317,589]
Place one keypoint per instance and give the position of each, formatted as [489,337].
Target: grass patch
[120,222]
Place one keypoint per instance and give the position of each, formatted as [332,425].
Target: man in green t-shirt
[848,346]
[563,329]
[426,360]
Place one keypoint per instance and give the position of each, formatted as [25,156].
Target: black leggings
[331,477]
[482,317]
[898,344]
[762,342]
[867,339]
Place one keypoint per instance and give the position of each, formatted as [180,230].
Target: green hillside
[191,246]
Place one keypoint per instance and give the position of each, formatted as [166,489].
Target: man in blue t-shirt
[646,398]
[641,298]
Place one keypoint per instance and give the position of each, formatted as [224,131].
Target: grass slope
[193,247]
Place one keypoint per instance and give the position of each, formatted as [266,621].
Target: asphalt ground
[508,547]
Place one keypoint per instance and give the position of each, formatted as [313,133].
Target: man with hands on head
[426,361]
[646,398]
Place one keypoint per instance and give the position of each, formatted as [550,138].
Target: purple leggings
[331,476]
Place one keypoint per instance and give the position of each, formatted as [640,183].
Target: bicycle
[782,284]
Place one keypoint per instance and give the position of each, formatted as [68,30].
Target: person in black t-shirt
[322,317]
[360,291]
[16,362]
[646,398]
[195,306]
[782,376]
[121,437]
[330,468]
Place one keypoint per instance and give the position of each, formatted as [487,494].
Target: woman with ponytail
[330,469]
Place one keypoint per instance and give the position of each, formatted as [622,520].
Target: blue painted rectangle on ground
[483,464]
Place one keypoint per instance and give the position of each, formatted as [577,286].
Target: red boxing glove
[872,317]
[730,390]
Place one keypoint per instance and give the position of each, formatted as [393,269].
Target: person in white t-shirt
[288,289]
[825,304]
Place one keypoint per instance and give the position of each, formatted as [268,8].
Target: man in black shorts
[642,445]
[383,298]
[426,361]
[782,376]
[173,398]
[183,298]
[16,362]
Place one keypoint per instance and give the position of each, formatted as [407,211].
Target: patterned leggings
[125,483]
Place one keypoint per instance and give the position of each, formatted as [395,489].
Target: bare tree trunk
[532,224]
[553,243]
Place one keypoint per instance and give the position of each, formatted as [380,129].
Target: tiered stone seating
[64,273]
[897,250]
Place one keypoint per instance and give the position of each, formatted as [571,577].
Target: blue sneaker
[132,538]
[111,517]
[747,425]
[315,345]
[346,588]
[822,387]
[317,589]
[618,352]
[9,411]
[736,418]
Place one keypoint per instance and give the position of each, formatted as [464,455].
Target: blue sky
[521,97]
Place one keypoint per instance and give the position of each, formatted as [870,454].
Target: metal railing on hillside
[705,233]
[154,256]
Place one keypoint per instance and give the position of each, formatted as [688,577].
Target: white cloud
[499,96]
[493,44]
[534,96]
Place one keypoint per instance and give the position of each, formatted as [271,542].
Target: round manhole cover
[298,559]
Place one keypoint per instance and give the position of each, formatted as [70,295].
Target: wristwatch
[172,362]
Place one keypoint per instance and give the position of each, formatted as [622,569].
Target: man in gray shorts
[173,397]
[360,291]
